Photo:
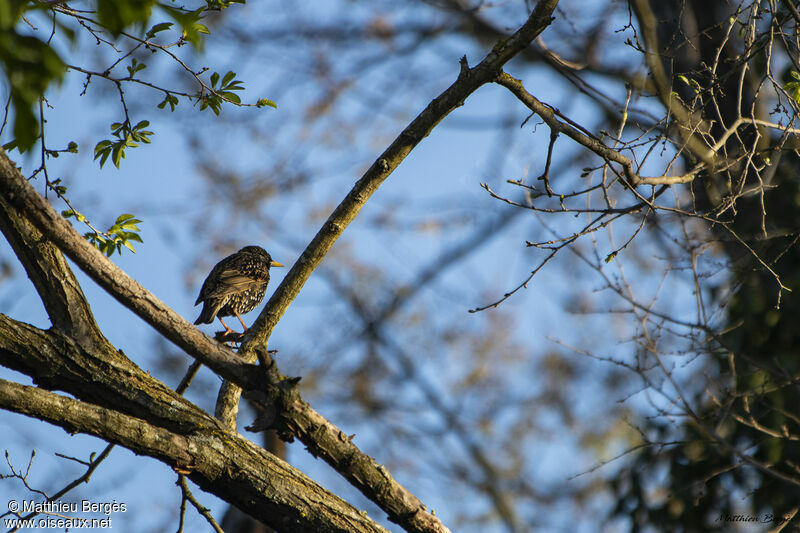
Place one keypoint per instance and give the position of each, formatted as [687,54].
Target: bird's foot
[228,336]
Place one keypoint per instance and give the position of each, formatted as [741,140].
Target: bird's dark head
[260,252]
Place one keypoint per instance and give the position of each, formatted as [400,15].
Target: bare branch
[548,114]
[186,495]
[91,466]
[469,80]
[219,462]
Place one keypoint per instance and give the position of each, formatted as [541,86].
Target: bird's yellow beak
[275,264]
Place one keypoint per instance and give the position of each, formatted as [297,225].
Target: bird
[236,285]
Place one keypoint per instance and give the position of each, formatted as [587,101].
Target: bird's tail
[208,313]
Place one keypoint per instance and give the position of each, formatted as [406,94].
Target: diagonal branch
[468,81]
[568,128]
[58,289]
[226,464]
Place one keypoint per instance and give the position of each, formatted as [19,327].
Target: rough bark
[219,461]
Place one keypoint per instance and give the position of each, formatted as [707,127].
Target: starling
[235,286]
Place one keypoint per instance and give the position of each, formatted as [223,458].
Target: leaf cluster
[127,136]
[221,93]
[30,66]
[121,233]
[793,87]
[189,21]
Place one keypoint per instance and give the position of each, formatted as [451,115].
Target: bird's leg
[240,319]
[227,329]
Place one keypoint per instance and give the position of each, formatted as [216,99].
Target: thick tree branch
[60,292]
[16,191]
[268,388]
[223,463]
[56,362]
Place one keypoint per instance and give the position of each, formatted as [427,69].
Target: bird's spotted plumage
[236,285]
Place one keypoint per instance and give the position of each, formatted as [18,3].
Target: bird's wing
[231,282]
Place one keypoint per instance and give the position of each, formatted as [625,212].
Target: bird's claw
[228,336]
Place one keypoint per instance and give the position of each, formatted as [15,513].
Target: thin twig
[186,494]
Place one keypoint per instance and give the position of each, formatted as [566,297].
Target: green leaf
[157,28]
[99,147]
[266,102]
[214,79]
[228,78]
[189,23]
[233,97]
[691,82]
[127,137]
[31,66]
[117,154]
[169,99]
[116,15]
[793,88]
[58,188]
[135,67]
[222,4]
[26,125]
